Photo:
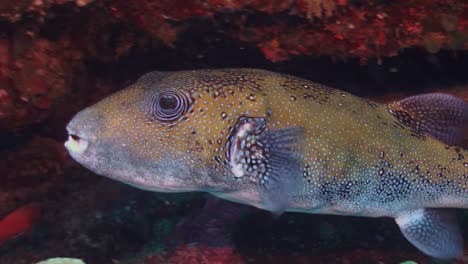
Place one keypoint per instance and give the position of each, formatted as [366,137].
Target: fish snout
[76,144]
[82,131]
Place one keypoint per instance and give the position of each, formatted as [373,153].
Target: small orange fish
[19,221]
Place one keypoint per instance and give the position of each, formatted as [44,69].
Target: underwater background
[59,56]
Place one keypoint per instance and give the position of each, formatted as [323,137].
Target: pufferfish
[282,143]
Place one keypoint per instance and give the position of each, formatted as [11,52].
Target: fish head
[169,131]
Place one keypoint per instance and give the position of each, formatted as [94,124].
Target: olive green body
[357,157]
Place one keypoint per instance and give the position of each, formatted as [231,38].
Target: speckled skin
[357,157]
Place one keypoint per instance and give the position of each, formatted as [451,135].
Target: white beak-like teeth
[75,144]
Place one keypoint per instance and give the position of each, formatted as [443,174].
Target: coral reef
[34,73]
[282,29]
[196,254]
[14,10]
[314,27]
[30,172]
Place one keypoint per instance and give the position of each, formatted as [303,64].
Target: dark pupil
[168,102]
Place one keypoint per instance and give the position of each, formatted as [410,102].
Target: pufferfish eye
[168,102]
[170,105]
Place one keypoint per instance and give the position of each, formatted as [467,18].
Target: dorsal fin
[442,116]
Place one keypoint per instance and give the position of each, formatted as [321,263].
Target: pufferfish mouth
[76,143]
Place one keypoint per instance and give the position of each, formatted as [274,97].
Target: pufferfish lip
[76,143]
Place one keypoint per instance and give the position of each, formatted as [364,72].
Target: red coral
[13,10]
[335,27]
[155,16]
[39,72]
[197,254]
[297,27]
[266,6]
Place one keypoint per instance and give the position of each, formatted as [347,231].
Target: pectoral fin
[283,177]
[433,231]
[270,158]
